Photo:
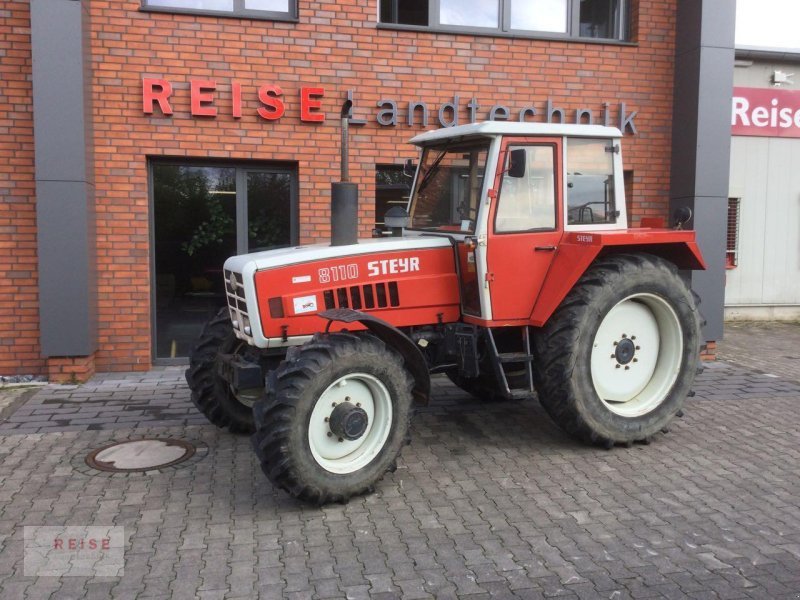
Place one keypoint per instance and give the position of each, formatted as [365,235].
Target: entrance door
[201,216]
[524,232]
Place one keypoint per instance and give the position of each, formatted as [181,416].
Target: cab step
[500,359]
[515,357]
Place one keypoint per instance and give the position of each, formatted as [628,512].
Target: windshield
[449,186]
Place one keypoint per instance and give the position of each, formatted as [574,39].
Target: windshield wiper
[426,178]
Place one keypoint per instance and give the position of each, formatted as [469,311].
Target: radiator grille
[363,297]
[237,305]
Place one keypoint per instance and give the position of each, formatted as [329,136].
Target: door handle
[545,249]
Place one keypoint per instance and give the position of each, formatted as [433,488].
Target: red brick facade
[19,310]
[336,46]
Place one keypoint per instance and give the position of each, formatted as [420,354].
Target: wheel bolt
[347,398]
[624,335]
[613,356]
[617,365]
[330,434]
[615,343]
[358,404]
[635,360]
[333,404]
[341,439]
[327,419]
[633,337]
[638,347]
[627,368]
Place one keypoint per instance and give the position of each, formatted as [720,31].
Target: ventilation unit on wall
[732,248]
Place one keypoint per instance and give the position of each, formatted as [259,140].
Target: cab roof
[494,128]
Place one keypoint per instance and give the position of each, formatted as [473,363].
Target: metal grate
[363,297]
[732,248]
[237,305]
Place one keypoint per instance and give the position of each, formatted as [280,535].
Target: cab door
[525,225]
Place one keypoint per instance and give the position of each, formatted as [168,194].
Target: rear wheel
[211,394]
[617,359]
[335,417]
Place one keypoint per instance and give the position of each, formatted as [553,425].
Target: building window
[256,9]
[596,19]
[732,247]
[203,214]
[392,188]
[404,12]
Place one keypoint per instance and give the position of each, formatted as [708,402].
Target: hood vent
[363,297]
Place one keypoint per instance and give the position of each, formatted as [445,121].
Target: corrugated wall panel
[765,174]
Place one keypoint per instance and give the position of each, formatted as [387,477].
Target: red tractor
[513,272]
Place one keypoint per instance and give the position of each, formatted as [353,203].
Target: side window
[529,202]
[590,182]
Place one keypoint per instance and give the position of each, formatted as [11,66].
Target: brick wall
[336,46]
[19,313]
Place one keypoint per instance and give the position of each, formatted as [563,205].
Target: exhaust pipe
[344,195]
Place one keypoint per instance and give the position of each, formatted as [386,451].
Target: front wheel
[618,358]
[335,417]
[211,394]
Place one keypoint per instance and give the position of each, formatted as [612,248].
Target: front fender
[395,339]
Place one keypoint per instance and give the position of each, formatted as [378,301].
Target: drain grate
[142,456]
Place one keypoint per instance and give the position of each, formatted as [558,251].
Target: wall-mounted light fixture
[780,78]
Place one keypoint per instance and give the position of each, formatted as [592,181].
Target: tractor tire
[335,417]
[211,394]
[617,359]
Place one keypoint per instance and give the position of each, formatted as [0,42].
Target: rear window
[590,182]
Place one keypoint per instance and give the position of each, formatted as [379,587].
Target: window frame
[623,26]
[238,11]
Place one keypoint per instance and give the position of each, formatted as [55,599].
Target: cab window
[590,182]
[529,202]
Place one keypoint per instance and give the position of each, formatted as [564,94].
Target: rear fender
[577,252]
[395,339]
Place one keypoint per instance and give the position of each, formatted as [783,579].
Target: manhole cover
[140,455]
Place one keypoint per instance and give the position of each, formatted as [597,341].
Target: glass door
[201,216]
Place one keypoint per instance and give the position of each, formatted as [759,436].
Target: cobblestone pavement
[769,347]
[490,500]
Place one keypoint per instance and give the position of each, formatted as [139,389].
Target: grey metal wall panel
[64,282]
[59,114]
[64,193]
[704,57]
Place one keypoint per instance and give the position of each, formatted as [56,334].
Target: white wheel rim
[634,385]
[348,456]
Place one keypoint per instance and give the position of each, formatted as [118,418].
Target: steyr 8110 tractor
[515,274]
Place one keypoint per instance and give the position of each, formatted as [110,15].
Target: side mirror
[517,162]
[409,169]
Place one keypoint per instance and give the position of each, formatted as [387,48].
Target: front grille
[363,297]
[237,305]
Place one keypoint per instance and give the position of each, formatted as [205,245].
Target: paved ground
[488,501]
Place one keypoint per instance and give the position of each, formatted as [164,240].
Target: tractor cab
[502,190]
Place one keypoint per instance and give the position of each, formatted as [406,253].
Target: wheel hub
[625,351]
[348,421]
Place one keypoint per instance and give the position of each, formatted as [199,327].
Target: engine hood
[269,259]
[275,296]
